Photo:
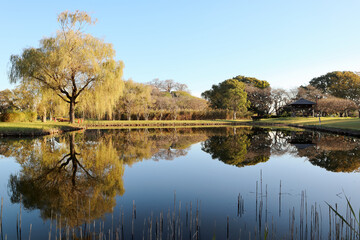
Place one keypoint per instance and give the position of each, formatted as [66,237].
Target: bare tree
[168,85]
[181,87]
[280,98]
[156,83]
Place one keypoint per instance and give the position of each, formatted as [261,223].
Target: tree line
[335,93]
[75,75]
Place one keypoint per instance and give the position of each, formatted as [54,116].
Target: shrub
[30,116]
[17,116]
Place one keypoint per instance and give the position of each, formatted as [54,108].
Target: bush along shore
[35,129]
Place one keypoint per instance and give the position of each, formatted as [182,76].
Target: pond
[179,183]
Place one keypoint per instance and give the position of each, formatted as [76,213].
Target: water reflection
[74,179]
[141,144]
[241,148]
[79,175]
[334,153]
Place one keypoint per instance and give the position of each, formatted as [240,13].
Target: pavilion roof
[302,101]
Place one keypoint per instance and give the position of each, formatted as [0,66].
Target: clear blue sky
[203,42]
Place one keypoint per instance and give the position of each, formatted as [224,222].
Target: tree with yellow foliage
[70,63]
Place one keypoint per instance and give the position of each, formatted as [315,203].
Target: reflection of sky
[10,211]
[198,177]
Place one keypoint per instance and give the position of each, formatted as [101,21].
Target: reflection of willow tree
[61,180]
[242,148]
[334,153]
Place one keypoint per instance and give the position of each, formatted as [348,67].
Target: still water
[179,183]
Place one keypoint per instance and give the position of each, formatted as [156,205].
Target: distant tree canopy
[310,93]
[333,105]
[136,99]
[229,94]
[262,84]
[70,63]
[339,84]
[258,95]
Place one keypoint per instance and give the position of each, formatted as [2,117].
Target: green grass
[134,123]
[329,122]
[34,128]
[39,128]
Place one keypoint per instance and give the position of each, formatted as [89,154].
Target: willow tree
[69,63]
[136,99]
[101,101]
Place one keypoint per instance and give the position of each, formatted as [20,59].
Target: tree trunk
[44,115]
[72,111]
[234,115]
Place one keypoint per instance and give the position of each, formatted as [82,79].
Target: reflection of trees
[135,145]
[241,148]
[64,174]
[71,175]
[280,142]
[334,153]
[78,181]
[337,161]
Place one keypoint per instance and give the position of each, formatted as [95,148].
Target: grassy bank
[18,129]
[347,126]
[157,123]
[343,126]
[34,128]
[330,122]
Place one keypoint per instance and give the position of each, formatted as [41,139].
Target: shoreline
[340,131]
[319,128]
[185,123]
[18,132]
[50,128]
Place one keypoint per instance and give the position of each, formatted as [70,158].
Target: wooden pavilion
[304,107]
